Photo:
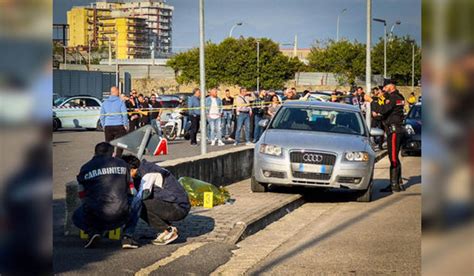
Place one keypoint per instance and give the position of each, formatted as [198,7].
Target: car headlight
[409,129]
[270,149]
[358,156]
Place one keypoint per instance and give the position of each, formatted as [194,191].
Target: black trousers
[393,144]
[194,128]
[112,133]
[162,213]
[134,125]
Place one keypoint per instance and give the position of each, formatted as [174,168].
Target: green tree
[346,59]
[399,59]
[234,62]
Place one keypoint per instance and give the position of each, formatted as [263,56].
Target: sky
[281,20]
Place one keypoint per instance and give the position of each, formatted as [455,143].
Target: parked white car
[77,112]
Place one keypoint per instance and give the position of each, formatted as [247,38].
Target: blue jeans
[226,123]
[156,126]
[215,129]
[258,130]
[243,119]
[135,210]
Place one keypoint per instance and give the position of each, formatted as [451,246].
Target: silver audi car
[317,144]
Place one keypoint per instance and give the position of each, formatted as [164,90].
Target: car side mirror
[67,105]
[263,123]
[376,132]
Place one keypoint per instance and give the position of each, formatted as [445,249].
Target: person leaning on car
[114,118]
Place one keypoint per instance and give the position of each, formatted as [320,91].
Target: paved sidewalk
[227,222]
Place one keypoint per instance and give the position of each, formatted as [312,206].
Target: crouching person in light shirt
[163,196]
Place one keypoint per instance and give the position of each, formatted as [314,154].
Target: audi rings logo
[314,158]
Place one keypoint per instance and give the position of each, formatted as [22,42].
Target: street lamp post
[384,45]
[258,66]
[233,27]
[398,22]
[337,28]
[202,77]
[368,66]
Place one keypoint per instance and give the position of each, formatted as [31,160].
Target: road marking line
[182,251]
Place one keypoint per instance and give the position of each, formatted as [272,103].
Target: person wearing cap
[393,116]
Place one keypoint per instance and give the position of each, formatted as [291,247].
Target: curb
[242,230]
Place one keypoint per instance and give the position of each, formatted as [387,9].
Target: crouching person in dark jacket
[164,197]
[106,191]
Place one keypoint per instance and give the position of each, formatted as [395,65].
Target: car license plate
[311,168]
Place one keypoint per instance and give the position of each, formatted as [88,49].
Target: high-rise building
[158,16]
[134,27]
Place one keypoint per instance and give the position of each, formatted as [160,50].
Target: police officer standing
[392,116]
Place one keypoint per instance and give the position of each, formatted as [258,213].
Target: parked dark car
[412,140]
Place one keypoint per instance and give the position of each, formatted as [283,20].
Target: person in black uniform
[392,115]
[107,195]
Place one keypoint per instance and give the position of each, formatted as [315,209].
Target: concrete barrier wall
[219,168]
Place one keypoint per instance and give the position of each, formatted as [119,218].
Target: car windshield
[59,101]
[415,112]
[323,120]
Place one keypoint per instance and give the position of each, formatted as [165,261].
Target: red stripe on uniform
[394,150]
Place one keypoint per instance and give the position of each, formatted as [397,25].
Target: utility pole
[258,66]
[202,78]
[368,65]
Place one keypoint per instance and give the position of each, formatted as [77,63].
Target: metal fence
[75,82]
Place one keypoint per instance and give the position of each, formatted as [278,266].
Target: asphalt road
[329,236]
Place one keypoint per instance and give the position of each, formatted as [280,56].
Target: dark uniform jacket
[171,192]
[104,184]
[392,111]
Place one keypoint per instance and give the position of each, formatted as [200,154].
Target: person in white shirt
[214,115]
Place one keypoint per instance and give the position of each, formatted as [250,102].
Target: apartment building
[134,27]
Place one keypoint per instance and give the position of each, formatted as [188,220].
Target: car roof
[81,96]
[325,105]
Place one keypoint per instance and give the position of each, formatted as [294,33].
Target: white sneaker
[220,143]
[249,144]
[213,142]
